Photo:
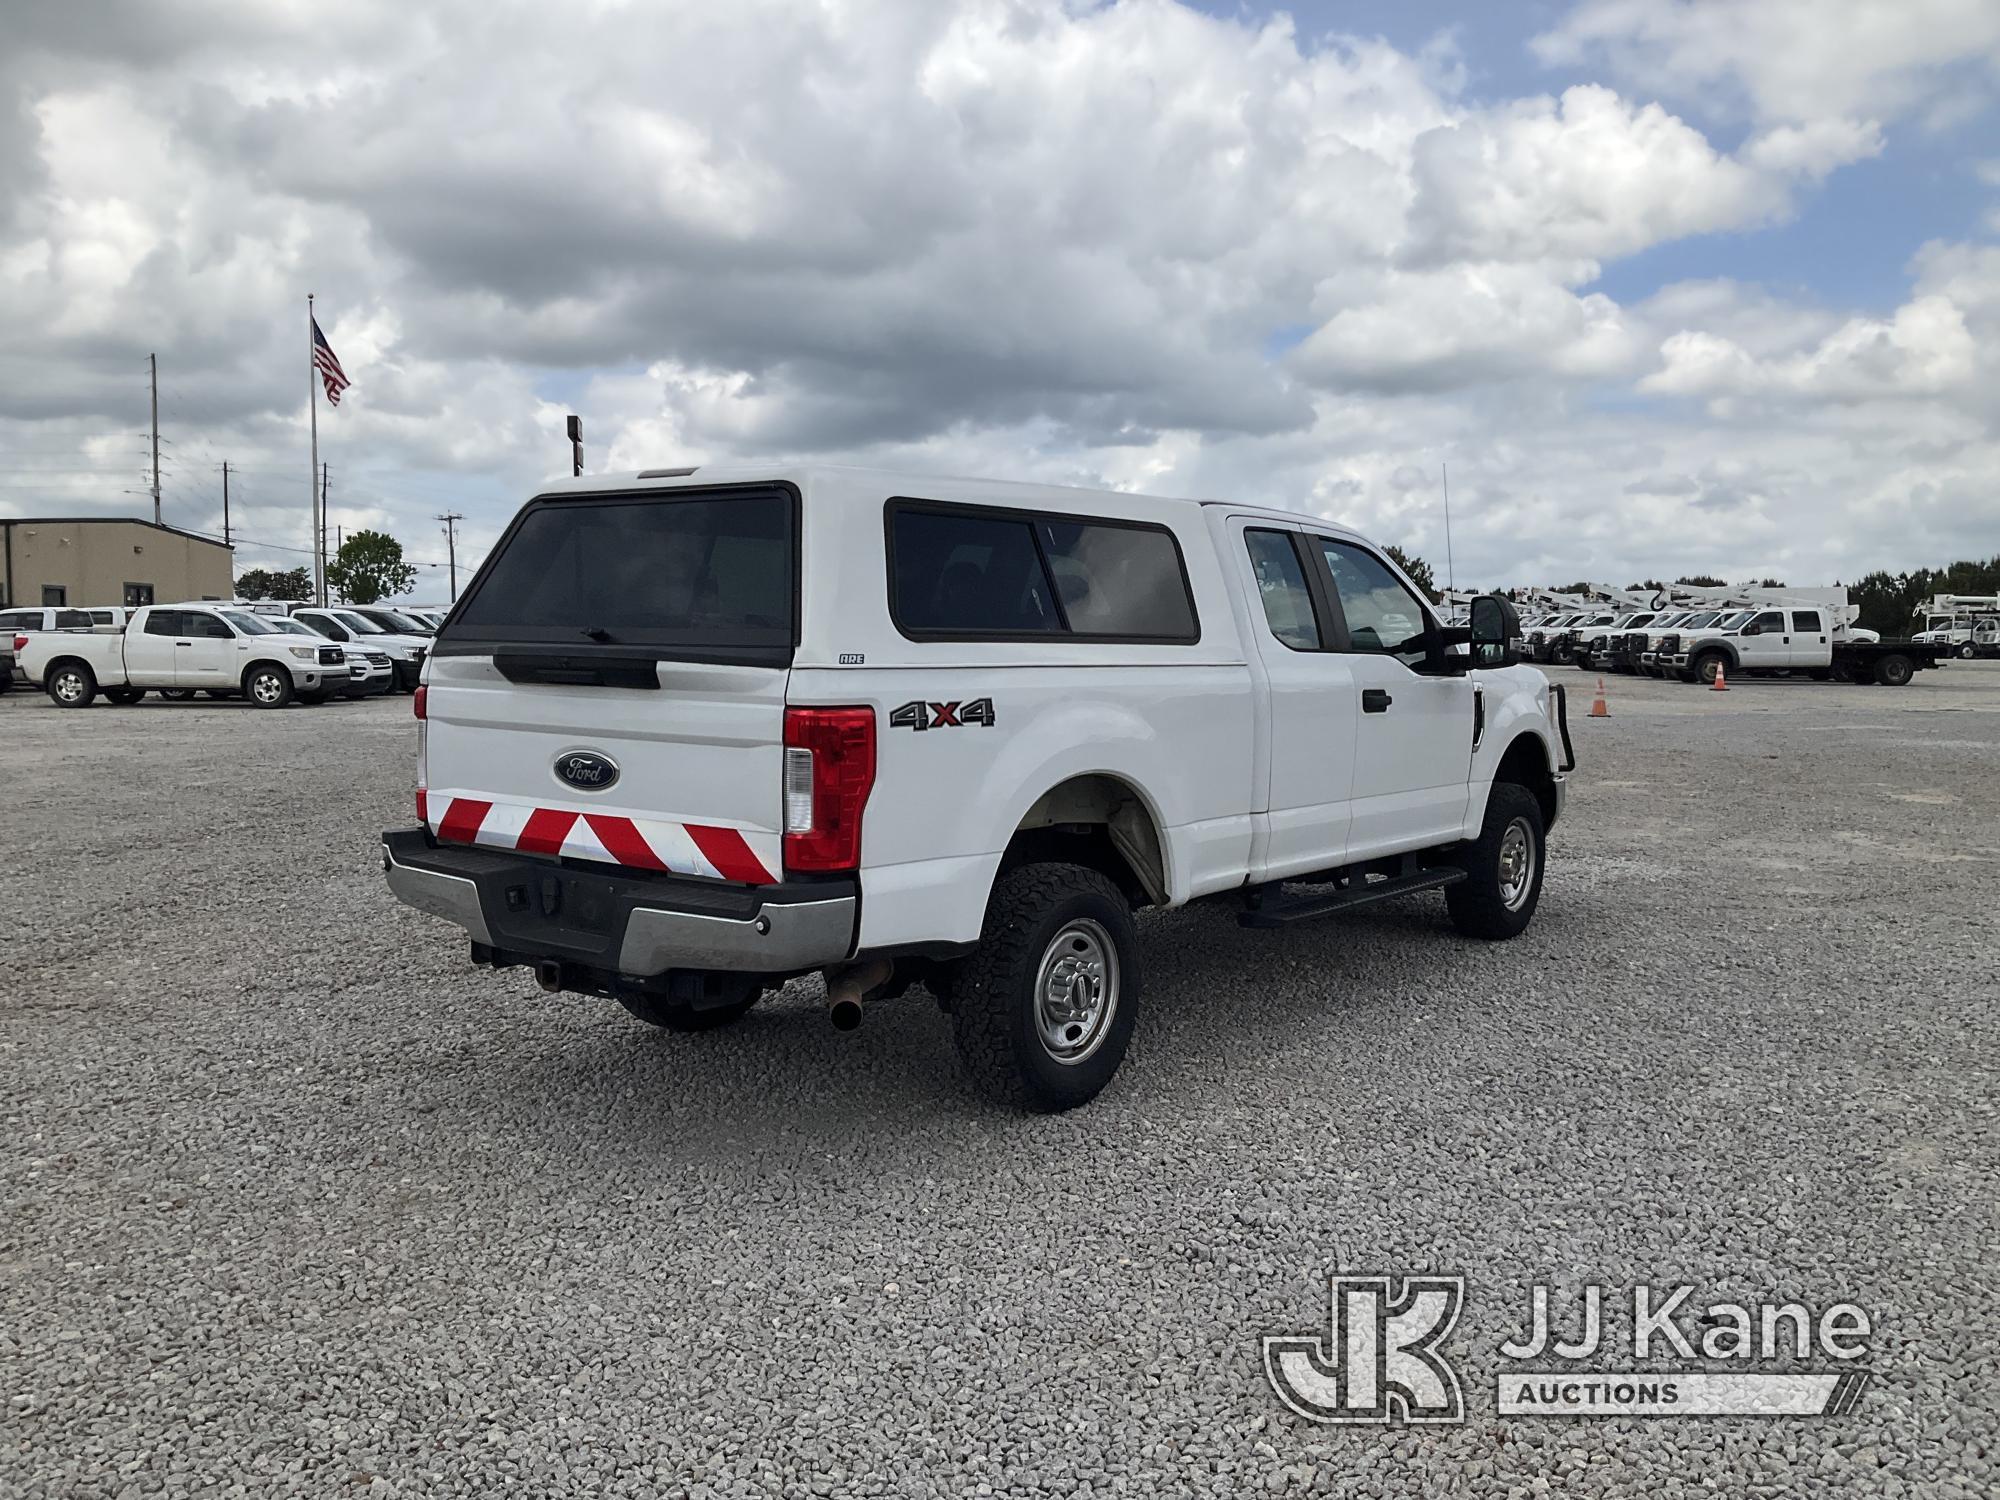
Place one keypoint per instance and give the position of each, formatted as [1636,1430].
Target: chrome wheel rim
[1517,864]
[69,686]
[265,688]
[1076,991]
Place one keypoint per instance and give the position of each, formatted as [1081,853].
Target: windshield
[1706,617]
[286,627]
[359,624]
[1733,621]
[398,622]
[247,623]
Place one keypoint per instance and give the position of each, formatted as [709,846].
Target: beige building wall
[94,561]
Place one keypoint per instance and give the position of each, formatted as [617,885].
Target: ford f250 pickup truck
[692,733]
[184,647]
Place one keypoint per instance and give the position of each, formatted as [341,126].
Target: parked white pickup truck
[689,734]
[184,647]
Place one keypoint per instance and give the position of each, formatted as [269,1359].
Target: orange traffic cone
[1599,709]
[1721,683]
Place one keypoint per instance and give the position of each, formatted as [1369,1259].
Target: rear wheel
[1044,1008]
[1503,868]
[268,687]
[124,697]
[1894,671]
[669,1016]
[72,685]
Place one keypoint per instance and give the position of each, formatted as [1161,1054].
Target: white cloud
[1131,244]
[1924,350]
[1793,61]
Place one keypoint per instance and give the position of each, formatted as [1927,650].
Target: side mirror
[1496,632]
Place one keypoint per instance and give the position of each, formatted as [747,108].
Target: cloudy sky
[1668,284]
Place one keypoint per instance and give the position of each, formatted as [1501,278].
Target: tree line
[368,567]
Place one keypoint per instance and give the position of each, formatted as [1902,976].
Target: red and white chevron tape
[637,843]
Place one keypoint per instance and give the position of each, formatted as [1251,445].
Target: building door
[54,596]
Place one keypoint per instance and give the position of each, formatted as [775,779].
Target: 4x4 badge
[920,715]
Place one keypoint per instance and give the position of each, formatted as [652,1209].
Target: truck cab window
[1382,616]
[1806,621]
[163,622]
[1771,622]
[205,627]
[1281,584]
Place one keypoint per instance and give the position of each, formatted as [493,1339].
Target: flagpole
[312,395]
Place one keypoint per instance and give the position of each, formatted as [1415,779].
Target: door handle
[1375,701]
[183,643]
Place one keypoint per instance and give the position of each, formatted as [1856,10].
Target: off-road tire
[1894,671]
[124,697]
[1479,905]
[994,1005]
[72,685]
[268,686]
[655,1011]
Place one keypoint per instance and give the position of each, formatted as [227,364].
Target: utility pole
[153,369]
[225,502]
[1450,573]
[451,519]
[576,444]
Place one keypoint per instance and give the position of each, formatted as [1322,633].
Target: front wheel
[72,685]
[268,687]
[1965,652]
[1708,666]
[1503,868]
[1044,1008]
[124,697]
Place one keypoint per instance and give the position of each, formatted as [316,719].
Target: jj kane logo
[1384,1356]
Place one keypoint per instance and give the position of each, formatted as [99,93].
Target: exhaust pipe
[548,974]
[846,986]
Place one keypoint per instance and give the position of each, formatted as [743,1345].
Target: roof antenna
[1450,573]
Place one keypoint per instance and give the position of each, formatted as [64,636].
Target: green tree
[1770,583]
[1703,581]
[1417,568]
[369,567]
[263,583]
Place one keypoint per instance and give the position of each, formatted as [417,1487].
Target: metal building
[84,560]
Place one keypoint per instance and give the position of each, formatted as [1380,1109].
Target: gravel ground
[299,1203]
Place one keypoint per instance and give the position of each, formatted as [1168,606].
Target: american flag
[328,366]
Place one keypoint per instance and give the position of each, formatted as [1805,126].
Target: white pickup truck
[184,647]
[692,733]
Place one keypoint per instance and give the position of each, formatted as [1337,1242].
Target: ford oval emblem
[586,770]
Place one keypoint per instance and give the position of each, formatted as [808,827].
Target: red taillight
[829,771]
[20,642]
[422,694]
[423,806]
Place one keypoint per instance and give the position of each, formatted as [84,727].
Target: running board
[1325,904]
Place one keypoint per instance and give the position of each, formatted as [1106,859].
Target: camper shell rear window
[708,575]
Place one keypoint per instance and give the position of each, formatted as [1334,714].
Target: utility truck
[1805,631]
[1964,625]
[183,647]
[691,733]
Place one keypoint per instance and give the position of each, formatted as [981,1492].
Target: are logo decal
[920,715]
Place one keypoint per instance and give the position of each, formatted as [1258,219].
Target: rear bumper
[527,909]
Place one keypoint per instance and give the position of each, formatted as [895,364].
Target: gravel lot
[299,1203]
